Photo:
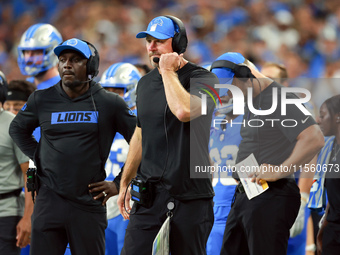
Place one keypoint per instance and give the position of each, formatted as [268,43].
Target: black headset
[92,64]
[240,71]
[180,39]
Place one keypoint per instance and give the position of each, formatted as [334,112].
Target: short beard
[74,84]
[154,64]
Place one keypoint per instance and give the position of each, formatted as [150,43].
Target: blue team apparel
[115,231]
[74,44]
[48,83]
[161,28]
[223,147]
[317,196]
[226,73]
[297,244]
[74,117]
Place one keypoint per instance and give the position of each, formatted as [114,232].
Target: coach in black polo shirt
[171,138]
[261,225]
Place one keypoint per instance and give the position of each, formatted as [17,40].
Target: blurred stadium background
[301,34]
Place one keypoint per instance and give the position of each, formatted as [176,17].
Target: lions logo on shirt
[74,117]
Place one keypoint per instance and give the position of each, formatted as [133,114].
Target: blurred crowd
[301,34]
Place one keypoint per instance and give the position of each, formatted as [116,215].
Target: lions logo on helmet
[125,76]
[43,37]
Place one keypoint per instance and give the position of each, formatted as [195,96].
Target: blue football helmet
[43,37]
[125,76]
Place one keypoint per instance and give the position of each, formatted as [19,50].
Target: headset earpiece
[92,64]
[180,39]
[240,70]
[244,72]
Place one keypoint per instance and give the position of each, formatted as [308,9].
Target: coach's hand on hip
[107,189]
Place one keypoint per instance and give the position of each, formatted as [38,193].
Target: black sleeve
[203,82]
[294,117]
[23,125]
[125,119]
[138,87]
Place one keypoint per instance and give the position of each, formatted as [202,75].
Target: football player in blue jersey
[223,146]
[120,78]
[36,58]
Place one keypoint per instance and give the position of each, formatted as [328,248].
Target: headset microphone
[156,60]
[86,80]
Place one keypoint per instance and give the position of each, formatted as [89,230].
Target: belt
[240,187]
[14,193]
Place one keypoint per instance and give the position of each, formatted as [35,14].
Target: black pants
[8,234]
[331,239]
[55,222]
[260,225]
[190,226]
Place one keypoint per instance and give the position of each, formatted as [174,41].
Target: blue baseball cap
[225,75]
[160,27]
[76,45]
